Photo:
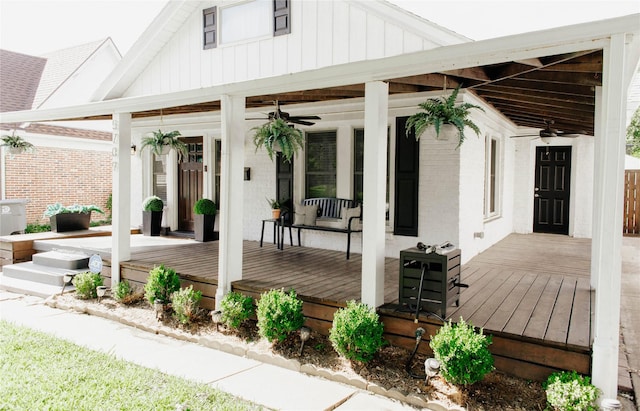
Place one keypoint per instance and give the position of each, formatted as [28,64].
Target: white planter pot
[447,131]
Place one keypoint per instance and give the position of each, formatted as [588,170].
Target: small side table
[278,232]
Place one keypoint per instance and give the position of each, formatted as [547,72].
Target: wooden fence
[631,223]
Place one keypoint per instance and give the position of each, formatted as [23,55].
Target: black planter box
[70,222]
[203,227]
[151,223]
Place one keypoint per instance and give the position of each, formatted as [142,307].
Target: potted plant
[204,219]
[440,112]
[278,135]
[152,216]
[275,208]
[160,143]
[72,218]
[16,144]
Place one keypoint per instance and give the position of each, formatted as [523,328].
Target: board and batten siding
[323,33]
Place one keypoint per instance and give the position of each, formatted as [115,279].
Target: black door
[407,171]
[552,189]
[284,183]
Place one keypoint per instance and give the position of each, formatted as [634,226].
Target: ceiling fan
[548,132]
[288,118]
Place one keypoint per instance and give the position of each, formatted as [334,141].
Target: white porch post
[231,194]
[608,203]
[599,144]
[376,105]
[121,197]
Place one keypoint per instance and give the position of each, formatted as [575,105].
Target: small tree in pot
[204,219]
[152,215]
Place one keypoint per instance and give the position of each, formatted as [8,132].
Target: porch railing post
[231,193]
[376,107]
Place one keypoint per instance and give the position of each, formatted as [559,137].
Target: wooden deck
[530,292]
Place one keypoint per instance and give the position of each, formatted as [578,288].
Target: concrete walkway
[268,385]
[630,310]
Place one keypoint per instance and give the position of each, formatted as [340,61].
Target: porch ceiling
[559,88]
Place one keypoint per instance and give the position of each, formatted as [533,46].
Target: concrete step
[38,273]
[62,259]
[17,285]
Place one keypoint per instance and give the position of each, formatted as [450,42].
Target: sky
[38,27]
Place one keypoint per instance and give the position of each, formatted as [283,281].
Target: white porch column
[608,204]
[231,194]
[376,105]
[121,197]
[598,152]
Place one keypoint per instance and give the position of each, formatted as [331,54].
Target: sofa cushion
[305,215]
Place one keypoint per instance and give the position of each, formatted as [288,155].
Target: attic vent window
[209,28]
[245,21]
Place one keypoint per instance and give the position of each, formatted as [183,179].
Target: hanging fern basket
[278,136]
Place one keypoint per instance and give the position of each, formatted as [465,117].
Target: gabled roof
[61,65]
[20,76]
[174,15]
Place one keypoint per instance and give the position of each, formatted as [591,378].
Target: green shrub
[37,228]
[279,314]
[125,293]
[236,308]
[152,203]
[463,353]
[205,206]
[570,391]
[161,283]
[185,303]
[86,284]
[356,333]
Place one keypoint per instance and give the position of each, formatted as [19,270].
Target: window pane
[320,152]
[492,181]
[218,159]
[245,21]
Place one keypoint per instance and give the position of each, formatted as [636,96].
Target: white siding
[323,33]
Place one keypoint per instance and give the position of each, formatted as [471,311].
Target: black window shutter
[407,172]
[209,28]
[281,17]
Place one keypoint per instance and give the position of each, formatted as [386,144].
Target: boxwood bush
[356,333]
[86,284]
[161,283]
[570,391]
[463,353]
[236,308]
[279,314]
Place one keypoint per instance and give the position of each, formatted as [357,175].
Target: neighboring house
[77,153]
[363,67]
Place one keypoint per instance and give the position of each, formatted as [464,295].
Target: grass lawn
[41,372]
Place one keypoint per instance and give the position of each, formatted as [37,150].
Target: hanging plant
[440,111]
[16,144]
[160,143]
[278,135]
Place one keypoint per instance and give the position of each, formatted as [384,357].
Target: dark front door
[284,183]
[407,171]
[190,182]
[552,189]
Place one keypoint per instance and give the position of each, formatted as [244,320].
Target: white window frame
[493,186]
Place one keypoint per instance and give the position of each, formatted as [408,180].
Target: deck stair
[43,276]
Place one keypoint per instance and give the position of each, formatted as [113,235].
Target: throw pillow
[305,215]
[310,214]
[347,213]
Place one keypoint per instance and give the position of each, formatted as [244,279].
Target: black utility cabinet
[440,285]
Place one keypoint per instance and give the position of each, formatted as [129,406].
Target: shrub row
[356,332]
